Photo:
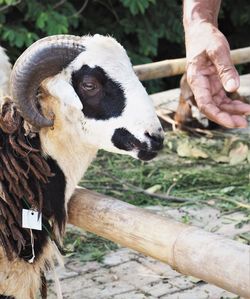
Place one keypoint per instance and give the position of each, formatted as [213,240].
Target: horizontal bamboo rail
[172,67]
[187,249]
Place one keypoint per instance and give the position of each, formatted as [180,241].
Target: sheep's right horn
[43,59]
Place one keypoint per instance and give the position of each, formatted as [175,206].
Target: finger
[202,92]
[235,107]
[220,56]
[239,121]
[209,71]
[223,118]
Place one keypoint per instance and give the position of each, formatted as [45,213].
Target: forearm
[200,10]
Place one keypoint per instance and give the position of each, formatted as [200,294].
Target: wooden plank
[189,250]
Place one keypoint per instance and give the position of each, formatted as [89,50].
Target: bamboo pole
[172,67]
[187,249]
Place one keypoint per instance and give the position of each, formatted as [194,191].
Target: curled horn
[44,58]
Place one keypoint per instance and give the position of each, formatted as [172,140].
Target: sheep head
[93,87]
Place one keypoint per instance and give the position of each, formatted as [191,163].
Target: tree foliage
[149,29]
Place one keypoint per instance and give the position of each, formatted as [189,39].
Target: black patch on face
[126,141]
[156,141]
[146,155]
[6,297]
[106,100]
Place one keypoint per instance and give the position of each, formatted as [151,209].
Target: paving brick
[167,286]
[76,266]
[118,257]
[133,295]
[51,293]
[157,289]
[102,276]
[158,267]
[201,292]
[106,291]
[76,283]
[126,274]
[62,274]
[134,273]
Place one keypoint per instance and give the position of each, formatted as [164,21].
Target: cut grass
[185,177]
[201,181]
[85,246]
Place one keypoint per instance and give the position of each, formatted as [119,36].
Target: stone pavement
[126,274]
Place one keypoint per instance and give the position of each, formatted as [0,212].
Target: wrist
[203,35]
[199,11]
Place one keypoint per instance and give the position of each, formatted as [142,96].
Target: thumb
[231,85]
[229,78]
[225,68]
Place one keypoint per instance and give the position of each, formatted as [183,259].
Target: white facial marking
[59,88]
[138,116]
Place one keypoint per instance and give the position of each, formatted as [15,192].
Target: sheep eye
[89,86]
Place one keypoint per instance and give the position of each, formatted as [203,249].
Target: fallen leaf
[194,279]
[238,154]
[227,190]
[184,150]
[248,156]
[211,202]
[154,188]
[198,153]
[221,159]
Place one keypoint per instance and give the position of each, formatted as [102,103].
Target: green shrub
[150,30]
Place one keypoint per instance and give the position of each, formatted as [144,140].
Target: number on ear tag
[31,219]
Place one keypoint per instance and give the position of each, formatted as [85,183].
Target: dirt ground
[126,274]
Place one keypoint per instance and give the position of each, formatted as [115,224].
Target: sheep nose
[156,141]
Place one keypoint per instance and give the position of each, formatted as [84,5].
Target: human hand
[210,73]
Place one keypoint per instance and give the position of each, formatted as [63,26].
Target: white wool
[5,69]
[75,139]
[138,116]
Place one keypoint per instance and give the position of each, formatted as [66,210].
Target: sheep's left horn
[44,58]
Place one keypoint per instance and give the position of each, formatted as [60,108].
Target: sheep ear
[63,90]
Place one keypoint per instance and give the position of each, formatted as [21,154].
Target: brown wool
[18,161]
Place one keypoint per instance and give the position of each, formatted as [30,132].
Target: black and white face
[117,113]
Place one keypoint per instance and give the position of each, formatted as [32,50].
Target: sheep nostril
[156,141]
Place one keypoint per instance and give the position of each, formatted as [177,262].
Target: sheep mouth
[146,155]
[124,140]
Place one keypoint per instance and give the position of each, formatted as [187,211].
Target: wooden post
[187,249]
[172,67]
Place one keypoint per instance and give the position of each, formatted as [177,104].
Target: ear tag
[31,219]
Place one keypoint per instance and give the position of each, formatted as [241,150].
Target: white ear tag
[31,219]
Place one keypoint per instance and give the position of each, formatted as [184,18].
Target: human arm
[210,71]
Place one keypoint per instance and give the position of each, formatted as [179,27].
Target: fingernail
[231,85]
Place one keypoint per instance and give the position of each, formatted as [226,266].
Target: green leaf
[137,6]
[42,20]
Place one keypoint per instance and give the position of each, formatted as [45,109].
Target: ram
[69,97]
